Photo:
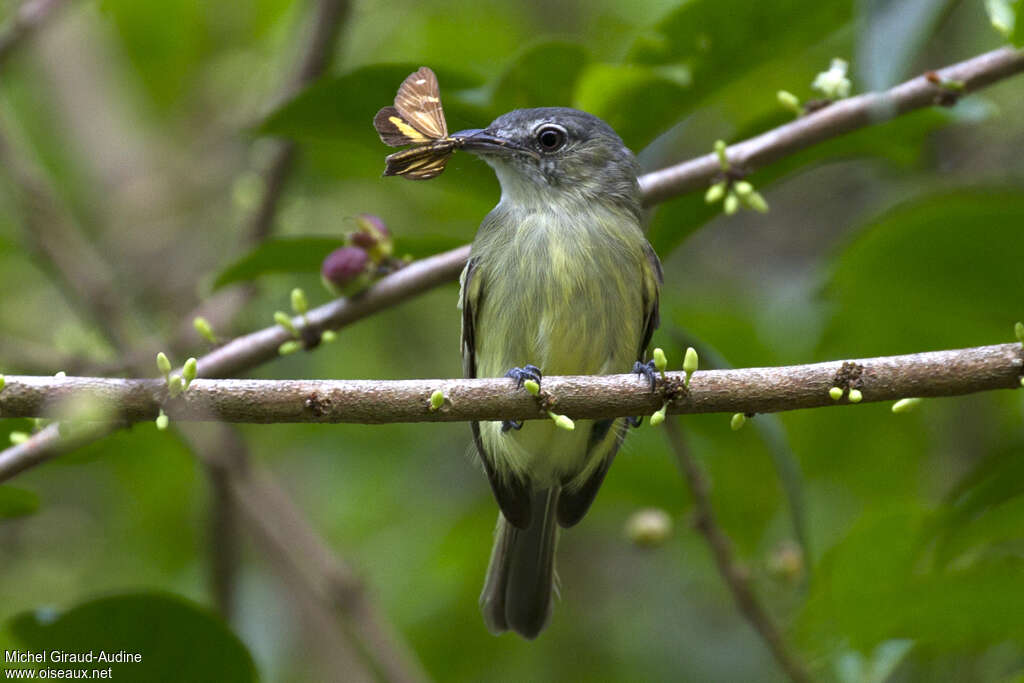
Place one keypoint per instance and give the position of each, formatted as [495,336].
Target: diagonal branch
[736,577]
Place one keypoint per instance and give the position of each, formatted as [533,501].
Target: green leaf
[638,101]
[1007,17]
[177,640]
[341,108]
[890,35]
[719,41]
[282,255]
[17,502]
[939,272]
[544,75]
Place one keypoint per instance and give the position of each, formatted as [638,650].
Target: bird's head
[556,154]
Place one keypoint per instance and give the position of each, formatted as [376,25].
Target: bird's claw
[647,370]
[507,425]
[524,373]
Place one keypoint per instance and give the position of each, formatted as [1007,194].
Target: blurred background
[138,144]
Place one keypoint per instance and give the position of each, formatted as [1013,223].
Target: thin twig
[736,577]
[310,565]
[750,390]
[29,17]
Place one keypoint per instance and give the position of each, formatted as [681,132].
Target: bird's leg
[647,370]
[520,375]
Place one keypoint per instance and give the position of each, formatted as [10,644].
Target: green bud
[299,303]
[285,321]
[3,382]
[723,158]
[856,396]
[188,372]
[289,347]
[163,364]
[659,416]
[1018,330]
[562,421]
[175,385]
[660,361]
[756,202]
[690,363]
[18,438]
[715,192]
[743,188]
[737,421]
[436,400]
[905,405]
[204,329]
[731,204]
[531,386]
[649,528]
[162,421]
[835,393]
[328,336]
[789,101]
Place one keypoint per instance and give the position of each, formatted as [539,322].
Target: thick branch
[832,121]
[736,577]
[751,390]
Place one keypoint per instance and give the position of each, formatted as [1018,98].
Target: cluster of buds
[367,254]
[730,189]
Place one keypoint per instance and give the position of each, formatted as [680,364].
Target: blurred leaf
[17,502]
[542,76]
[870,587]
[342,108]
[890,35]
[718,41]
[1006,17]
[940,272]
[165,46]
[177,639]
[421,246]
[282,255]
[638,101]
[899,141]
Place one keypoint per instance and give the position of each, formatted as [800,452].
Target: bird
[561,281]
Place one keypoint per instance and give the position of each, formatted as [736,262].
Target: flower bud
[737,421]
[346,270]
[835,393]
[188,372]
[436,400]
[299,303]
[531,386]
[855,396]
[204,329]
[373,236]
[660,361]
[163,363]
[649,528]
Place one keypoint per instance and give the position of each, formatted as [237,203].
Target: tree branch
[250,350]
[736,577]
[834,120]
[751,390]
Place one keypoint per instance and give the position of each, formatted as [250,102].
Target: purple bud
[367,222]
[344,265]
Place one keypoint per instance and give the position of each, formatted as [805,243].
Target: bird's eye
[550,138]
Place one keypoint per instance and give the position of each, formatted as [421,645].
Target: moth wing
[419,103]
[419,163]
[395,131]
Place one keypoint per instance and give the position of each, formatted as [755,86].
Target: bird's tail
[520,577]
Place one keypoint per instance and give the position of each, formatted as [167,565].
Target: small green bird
[562,280]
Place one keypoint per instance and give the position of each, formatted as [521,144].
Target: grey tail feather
[521,574]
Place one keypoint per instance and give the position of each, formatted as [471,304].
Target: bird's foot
[524,373]
[647,370]
[520,375]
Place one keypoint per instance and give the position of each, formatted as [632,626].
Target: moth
[416,119]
